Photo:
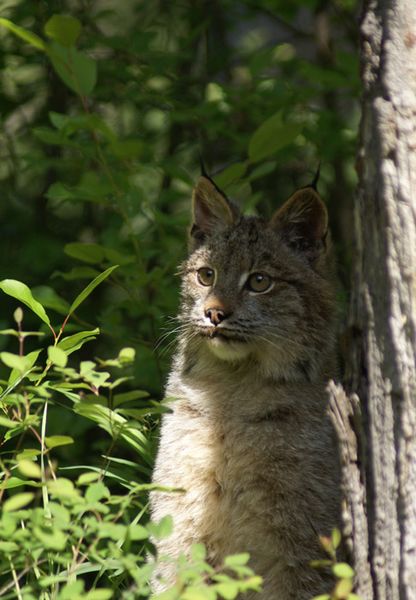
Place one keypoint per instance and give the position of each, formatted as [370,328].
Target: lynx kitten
[249,439]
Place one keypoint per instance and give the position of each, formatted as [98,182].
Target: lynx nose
[215,315]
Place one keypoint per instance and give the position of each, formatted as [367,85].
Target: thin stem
[42,463]
[16,581]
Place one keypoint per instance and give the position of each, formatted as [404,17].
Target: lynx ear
[211,210]
[303,222]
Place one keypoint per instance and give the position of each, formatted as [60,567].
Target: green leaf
[77,340]
[14,482]
[87,478]
[336,538]
[343,570]
[63,29]
[198,592]
[77,71]
[90,288]
[138,532]
[89,253]
[51,538]
[70,591]
[198,552]
[116,425]
[272,135]
[127,355]
[21,292]
[231,174]
[322,597]
[99,594]
[96,491]
[14,361]
[128,397]
[58,440]
[24,34]
[57,356]
[30,360]
[8,547]
[61,515]
[229,591]
[28,468]
[18,501]
[28,454]
[62,488]
[237,560]
[57,190]
[114,531]
[8,423]
[343,587]
[162,529]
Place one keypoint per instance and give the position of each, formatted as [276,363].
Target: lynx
[249,438]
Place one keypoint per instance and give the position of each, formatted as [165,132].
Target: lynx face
[257,289]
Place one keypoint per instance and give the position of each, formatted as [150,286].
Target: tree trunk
[378,432]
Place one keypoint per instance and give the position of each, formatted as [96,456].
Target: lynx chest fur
[249,440]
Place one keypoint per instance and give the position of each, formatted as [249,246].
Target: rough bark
[380,486]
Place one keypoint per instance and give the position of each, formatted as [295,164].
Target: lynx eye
[205,276]
[259,282]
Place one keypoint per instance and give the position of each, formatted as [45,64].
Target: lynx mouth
[223,334]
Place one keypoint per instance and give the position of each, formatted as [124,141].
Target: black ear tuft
[315,180]
[204,172]
[211,210]
[303,222]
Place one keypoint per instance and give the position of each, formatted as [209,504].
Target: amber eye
[259,282]
[205,276]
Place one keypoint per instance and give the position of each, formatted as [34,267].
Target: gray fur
[249,438]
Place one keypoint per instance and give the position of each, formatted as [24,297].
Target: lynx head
[259,290]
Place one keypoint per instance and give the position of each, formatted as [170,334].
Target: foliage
[341,570]
[94,526]
[106,109]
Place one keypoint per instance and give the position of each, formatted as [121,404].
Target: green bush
[61,534]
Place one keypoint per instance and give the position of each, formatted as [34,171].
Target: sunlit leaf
[24,34]
[87,478]
[29,361]
[237,560]
[28,468]
[51,538]
[77,340]
[162,529]
[99,594]
[5,422]
[21,292]
[343,570]
[57,356]
[96,491]
[127,355]
[18,501]
[54,441]
[228,591]
[198,592]
[336,538]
